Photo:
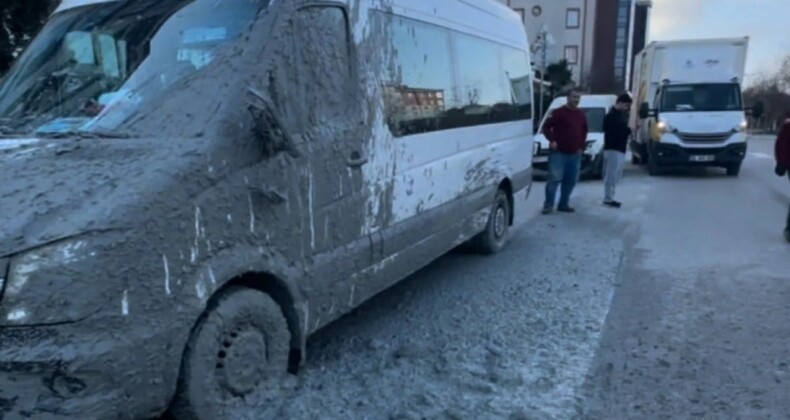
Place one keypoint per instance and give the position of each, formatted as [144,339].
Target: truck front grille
[704,137]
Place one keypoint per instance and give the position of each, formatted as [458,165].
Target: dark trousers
[787,225]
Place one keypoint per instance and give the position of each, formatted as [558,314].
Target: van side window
[418,88]
[482,82]
[429,88]
[324,61]
[515,65]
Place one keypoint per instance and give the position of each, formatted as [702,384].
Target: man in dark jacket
[782,154]
[615,141]
[566,129]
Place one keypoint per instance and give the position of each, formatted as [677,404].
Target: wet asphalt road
[675,306]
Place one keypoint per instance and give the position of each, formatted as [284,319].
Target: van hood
[703,122]
[56,189]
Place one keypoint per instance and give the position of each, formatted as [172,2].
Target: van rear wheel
[492,239]
[239,347]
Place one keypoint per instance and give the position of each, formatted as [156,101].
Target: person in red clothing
[782,153]
[566,129]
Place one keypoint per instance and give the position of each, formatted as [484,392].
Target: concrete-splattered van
[190,188]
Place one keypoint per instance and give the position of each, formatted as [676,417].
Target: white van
[192,188]
[595,107]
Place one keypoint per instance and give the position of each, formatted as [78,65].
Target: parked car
[595,107]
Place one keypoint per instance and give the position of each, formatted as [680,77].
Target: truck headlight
[663,127]
[743,126]
[56,283]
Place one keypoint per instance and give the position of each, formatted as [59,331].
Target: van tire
[493,238]
[239,347]
[734,170]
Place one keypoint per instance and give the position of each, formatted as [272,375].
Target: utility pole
[541,46]
[545,66]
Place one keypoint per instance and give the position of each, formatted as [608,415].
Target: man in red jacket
[566,129]
[782,153]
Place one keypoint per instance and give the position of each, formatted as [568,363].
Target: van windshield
[702,97]
[92,67]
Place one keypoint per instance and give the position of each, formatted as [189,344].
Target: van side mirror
[644,111]
[268,127]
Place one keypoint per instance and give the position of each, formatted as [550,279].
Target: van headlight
[56,283]
[743,126]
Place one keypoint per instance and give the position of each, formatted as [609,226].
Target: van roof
[492,19]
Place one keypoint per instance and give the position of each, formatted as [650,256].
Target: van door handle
[355,161]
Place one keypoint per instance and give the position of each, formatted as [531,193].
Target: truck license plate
[703,158]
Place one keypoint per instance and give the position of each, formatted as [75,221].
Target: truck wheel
[240,346]
[492,239]
[734,170]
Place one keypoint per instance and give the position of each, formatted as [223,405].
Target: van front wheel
[492,239]
[239,347]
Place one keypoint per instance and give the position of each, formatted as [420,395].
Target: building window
[572,18]
[572,54]
[521,13]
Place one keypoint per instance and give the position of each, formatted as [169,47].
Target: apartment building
[620,33]
[571,25]
[599,38]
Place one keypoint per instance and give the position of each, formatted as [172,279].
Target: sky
[766,22]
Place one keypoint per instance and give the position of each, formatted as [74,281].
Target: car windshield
[702,97]
[92,67]
[595,116]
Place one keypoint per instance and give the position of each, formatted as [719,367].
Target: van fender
[249,266]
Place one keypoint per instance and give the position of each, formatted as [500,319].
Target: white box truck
[688,109]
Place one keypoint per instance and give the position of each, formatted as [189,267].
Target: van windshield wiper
[84,135]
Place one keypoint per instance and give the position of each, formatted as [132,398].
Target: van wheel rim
[499,222]
[241,360]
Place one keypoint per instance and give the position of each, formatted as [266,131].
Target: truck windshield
[702,97]
[92,67]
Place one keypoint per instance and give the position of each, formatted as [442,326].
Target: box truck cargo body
[688,108]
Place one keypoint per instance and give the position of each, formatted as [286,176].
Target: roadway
[675,306]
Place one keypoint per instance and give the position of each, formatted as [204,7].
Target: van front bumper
[73,371]
[677,155]
[540,163]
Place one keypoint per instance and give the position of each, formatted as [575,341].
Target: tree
[20,20]
[773,90]
[560,76]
